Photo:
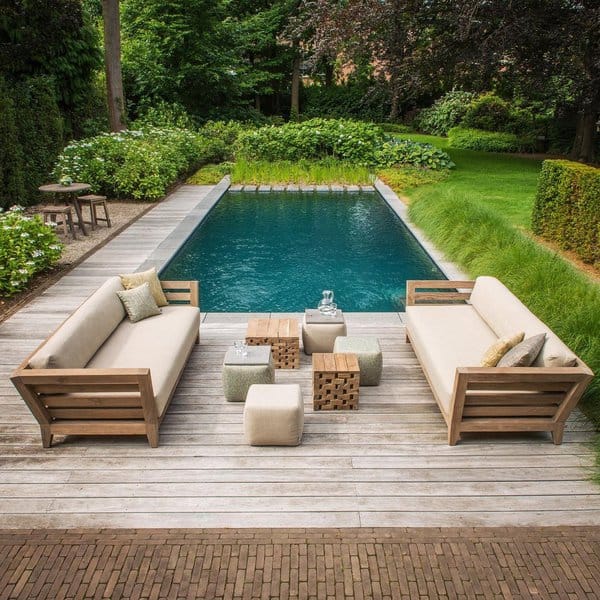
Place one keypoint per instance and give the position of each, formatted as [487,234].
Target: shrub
[487,141]
[488,112]
[135,164]
[27,246]
[403,178]
[352,141]
[223,136]
[567,207]
[407,152]
[31,133]
[366,101]
[446,112]
[164,114]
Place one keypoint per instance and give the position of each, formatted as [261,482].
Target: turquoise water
[263,252]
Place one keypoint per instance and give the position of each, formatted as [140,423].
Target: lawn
[504,183]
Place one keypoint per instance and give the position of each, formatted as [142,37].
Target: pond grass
[306,172]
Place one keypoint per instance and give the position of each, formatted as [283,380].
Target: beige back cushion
[505,314]
[80,336]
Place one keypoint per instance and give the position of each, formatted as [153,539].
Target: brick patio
[543,563]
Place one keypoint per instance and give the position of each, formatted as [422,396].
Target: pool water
[276,252]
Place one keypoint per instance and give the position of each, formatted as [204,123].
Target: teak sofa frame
[491,399]
[97,401]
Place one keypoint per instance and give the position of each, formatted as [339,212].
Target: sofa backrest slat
[63,387]
[85,401]
[516,399]
[96,413]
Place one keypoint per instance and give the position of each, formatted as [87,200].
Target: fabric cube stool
[319,331]
[242,371]
[274,415]
[369,356]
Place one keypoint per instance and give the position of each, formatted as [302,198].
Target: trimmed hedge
[567,207]
[486,141]
[31,136]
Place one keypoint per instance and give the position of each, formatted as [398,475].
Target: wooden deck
[387,464]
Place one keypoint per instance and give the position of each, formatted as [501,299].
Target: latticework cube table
[336,379]
[283,337]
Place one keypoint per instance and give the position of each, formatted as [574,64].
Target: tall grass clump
[485,244]
[300,172]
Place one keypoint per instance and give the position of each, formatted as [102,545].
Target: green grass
[301,172]
[480,218]
[506,184]
[210,174]
[407,178]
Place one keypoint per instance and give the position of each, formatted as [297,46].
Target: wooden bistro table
[283,337]
[70,192]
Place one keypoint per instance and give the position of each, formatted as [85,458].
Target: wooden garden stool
[66,217]
[283,337]
[93,202]
[336,379]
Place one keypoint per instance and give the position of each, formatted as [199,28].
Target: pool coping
[171,245]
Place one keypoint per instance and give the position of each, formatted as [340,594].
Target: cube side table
[282,335]
[336,381]
[319,331]
[240,372]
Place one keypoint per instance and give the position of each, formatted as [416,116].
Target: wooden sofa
[451,324]
[101,374]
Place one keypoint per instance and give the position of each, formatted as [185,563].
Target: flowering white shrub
[27,246]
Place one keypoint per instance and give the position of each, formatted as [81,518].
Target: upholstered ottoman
[274,415]
[242,371]
[368,352]
[319,331]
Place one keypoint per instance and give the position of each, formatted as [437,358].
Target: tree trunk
[328,73]
[112,61]
[585,135]
[395,89]
[295,102]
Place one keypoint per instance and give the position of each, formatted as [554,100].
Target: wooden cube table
[336,379]
[282,335]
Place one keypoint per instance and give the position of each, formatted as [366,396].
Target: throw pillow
[499,348]
[139,303]
[525,353]
[132,280]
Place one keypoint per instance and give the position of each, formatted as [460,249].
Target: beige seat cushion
[505,314]
[80,336]
[446,337]
[160,343]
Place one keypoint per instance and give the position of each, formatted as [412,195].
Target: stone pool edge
[169,247]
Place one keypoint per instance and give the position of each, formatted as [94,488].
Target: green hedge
[31,136]
[446,112]
[567,207]
[487,141]
[483,243]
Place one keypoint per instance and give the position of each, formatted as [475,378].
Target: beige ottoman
[274,415]
[369,356]
[319,331]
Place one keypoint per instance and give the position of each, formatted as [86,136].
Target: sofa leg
[198,338]
[152,435]
[407,339]
[46,436]
[557,434]
[453,437]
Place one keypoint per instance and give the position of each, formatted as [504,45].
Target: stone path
[542,563]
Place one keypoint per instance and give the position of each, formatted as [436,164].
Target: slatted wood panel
[282,335]
[384,465]
[336,380]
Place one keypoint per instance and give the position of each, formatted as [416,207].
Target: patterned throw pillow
[499,348]
[139,303]
[525,353]
[132,280]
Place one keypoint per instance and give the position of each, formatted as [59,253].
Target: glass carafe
[326,302]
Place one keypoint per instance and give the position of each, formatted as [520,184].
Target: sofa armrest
[73,394]
[515,398]
[451,291]
[182,292]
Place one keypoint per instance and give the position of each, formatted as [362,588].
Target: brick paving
[469,563]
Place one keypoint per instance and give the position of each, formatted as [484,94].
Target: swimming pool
[276,252]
